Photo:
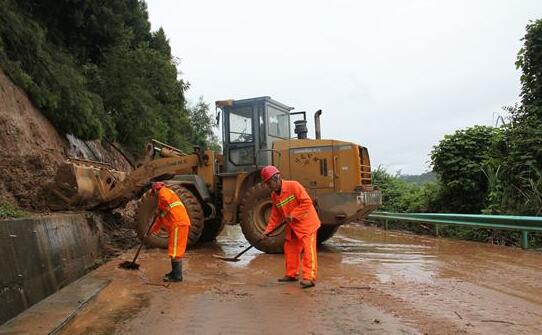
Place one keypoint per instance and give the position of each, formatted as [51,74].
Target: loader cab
[249,128]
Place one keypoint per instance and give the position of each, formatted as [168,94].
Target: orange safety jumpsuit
[175,219]
[294,201]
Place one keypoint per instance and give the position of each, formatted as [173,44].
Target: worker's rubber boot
[287,279]
[170,273]
[177,275]
[306,283]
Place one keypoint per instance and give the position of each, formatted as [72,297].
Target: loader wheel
[325,232]
[255,210]
[147,208]
[211,229]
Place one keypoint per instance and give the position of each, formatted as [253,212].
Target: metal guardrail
[525,224]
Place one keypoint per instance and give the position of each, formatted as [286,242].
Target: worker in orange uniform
[172,216]
[292,204]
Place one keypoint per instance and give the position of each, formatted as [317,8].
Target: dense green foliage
[460,161]
[8,211]
[404,196]
[96,70]
[202,124]
[522,177]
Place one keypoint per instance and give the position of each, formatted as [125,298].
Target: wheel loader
[225,188]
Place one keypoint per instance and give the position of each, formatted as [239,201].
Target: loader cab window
[279,123]
[241,126]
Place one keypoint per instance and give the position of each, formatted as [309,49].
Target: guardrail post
[524,239]
[386,224]
[436,229]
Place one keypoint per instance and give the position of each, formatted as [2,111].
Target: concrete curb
[52,314]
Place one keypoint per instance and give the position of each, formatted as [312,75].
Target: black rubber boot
[170,273]
[177,272]
[306,283]
[286,279]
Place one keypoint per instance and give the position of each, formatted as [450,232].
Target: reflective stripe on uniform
[171,205]
[312,257]
[175,242]
[285,201]
[175,204]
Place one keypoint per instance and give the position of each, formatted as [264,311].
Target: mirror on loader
[249,128]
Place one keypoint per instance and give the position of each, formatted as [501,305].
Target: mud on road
[370,281]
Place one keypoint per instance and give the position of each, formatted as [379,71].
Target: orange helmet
[268,172]
[157,185]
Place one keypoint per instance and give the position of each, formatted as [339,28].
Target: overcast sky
[394,76]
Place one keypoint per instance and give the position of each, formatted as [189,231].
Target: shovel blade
[129,265]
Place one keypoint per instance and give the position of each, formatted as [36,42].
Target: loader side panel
[347,167]
[313,167]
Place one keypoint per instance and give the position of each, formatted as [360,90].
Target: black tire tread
[325,232]
[147,207]
[255,195]
[211,229]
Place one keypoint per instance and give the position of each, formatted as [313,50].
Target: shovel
[133,265]
[236,257]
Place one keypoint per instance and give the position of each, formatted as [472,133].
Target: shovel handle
[263,238]
[143,241]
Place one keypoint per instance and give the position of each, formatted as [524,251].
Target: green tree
[522,166]
[459,160]
[49,74]
[142,94]
[404,196]
[203,125]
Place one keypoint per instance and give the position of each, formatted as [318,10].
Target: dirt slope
[30,148]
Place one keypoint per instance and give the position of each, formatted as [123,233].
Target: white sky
[394,76]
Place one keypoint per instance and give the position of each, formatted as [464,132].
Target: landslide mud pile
[31,150]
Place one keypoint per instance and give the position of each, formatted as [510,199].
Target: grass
[9,211]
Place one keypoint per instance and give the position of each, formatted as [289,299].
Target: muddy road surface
[370,281]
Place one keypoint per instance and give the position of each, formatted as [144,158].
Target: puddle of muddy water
[424,259]
[389,254]
[231,242]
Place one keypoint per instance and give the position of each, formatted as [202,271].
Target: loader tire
[147,208]
[211,229]
[325,232]
[255,210]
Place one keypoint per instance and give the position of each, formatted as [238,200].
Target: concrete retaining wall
[40,255]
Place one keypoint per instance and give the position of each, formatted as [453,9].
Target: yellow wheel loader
[225,188]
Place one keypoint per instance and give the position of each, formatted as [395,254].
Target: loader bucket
[82,184]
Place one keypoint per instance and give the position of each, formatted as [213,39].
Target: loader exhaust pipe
[318,133]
